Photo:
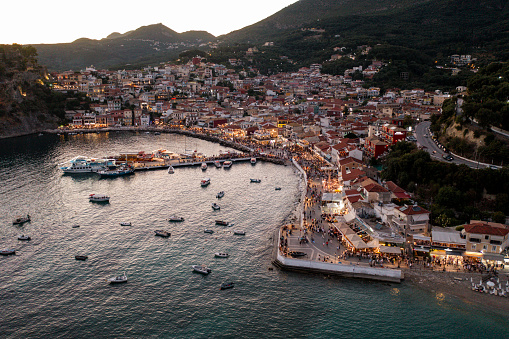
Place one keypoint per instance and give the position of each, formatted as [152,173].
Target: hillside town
[334,120]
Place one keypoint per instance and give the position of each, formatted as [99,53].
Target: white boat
[23,237]
[21,220]
[201,269]
[175,218]
[203,166]
[221,255]
[119,279]
[98,198]
[171,170]
[8,251]
[253,161]
[205,182]
[239,232]
[217,163]
[256,180]
[220,195]
[227,164]
[85,165]
[208,231]
[222,223]
[125,224]
[215,207]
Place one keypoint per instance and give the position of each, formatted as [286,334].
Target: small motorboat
[217,163]
[171,170]
[256,180]
[80,257]
[227,164]
[125,224]
[23,237]
[157,133]
[21,220]
[201,269]
[297,254]
[119,279]
[253,161]
[203,166]
[239,232]
[220,195]
[117,171]
[222,223]
[162,233]
[227,285]
[75,226]
[221,255]
[175,218]
[215,207]
[205,182]
[208,231]
[278,188]
[98,198]
[8,251]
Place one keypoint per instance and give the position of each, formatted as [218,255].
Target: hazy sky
[56,21]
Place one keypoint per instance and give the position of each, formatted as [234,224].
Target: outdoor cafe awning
[389,250]
[493,256]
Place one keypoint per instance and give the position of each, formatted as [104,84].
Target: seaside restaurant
[332,203]
[445,242]
[351,239]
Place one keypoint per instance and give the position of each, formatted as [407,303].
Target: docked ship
[82,164]
[117,171]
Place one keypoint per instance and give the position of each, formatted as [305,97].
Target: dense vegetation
[487,104]
[26,103]
[454,194]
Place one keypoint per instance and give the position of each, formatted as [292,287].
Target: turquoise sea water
[46,293]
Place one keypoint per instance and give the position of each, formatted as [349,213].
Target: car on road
[448,157]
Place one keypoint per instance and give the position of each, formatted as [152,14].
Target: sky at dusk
[58,21]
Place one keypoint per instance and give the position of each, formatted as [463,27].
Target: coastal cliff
[27,105]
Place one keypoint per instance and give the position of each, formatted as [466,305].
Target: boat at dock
[227,164]
[256,180]
[222,223]
[117,171]
[161,233]
[202,269]
[82,164]
[171,170]
[221,255]
[175,218]
[227,285]
[21,220]
[215,207]
[253,161]
[205,182]
[220,195]
[98,198]
[217,163]
[203,166]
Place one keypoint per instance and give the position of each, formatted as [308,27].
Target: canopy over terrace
[351,237]
[389,250]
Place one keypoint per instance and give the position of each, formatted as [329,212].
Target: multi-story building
[411,219]
[486,237]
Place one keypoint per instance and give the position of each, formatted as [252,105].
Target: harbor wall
[350,271]
[300,207]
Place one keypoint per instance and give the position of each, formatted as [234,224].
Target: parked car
[448,157]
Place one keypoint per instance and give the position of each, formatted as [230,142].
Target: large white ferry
[85,165]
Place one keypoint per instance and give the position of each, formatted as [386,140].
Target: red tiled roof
[486,229]
[375,188]
[412,210]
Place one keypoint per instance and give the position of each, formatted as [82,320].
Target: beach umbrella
[490,284]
